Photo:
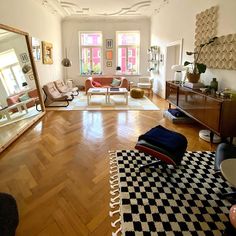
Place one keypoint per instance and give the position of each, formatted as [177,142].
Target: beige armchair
[53,95]
[64,88]
[146,84]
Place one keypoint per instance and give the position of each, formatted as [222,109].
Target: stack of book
[114,89]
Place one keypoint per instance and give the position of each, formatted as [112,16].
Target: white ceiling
[103,8]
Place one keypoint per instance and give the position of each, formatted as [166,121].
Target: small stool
[136,93]
[165,145]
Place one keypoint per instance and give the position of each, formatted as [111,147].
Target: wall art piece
[206,25]
[109,64]
[109,55]
[221,54]
[47,52]
[36,48]
[109,43]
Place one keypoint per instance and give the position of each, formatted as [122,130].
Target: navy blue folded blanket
[166,139]
[176,112]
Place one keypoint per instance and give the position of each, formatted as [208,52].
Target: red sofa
[104,82]
[15,99]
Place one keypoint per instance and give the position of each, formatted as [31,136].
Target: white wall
[177,20]
[70,29]
[30,16]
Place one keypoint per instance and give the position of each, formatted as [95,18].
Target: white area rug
[98,103]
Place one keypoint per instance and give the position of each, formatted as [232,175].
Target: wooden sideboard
[217,114]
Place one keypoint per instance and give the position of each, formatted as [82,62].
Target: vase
[193,78]
[214,84]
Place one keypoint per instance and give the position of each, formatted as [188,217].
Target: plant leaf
[201,68]
[187,63]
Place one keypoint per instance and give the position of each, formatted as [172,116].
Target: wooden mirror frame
[33,121]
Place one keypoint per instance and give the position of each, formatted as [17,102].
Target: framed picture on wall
[109,43]
[24,57]
[109,64]
[47,52]
[109,55]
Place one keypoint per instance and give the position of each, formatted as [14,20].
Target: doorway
[173,57]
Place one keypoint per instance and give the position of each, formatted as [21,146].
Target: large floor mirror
[21,102]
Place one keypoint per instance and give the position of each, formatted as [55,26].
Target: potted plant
[196,68]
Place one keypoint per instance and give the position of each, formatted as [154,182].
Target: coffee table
[18,106]
[96,91]
[119,91]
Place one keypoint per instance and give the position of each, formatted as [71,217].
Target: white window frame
[90,47]
[4,79]
[127,47]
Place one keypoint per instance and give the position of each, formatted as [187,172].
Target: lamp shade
[66,62]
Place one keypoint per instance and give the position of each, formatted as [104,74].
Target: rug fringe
[115,193]
[117,232]
[115,222]
[114,204]
[115,198]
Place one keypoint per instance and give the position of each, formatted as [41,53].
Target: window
[128,51]
[90,53]
[11,73]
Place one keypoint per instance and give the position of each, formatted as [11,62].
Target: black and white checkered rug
[165,200]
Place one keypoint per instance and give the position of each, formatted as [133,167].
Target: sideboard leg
[211,137]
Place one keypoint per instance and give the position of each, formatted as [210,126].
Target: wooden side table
[228,170]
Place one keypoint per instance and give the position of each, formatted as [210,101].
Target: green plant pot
[193,78]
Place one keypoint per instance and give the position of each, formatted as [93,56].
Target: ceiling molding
[161,4]
[130,10]
[73,8]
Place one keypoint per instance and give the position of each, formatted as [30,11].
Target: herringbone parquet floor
[58,170]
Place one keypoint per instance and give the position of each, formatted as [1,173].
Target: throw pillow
[96,84]
[115,82]
[24,97]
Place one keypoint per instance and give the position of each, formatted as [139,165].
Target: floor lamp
[66,62]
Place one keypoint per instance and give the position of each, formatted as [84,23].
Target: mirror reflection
[19,98]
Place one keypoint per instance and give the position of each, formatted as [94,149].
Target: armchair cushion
[53,94]
[115,82]
[96,84]
[24,97]
[64,88]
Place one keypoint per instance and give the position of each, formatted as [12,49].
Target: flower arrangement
[196,67]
